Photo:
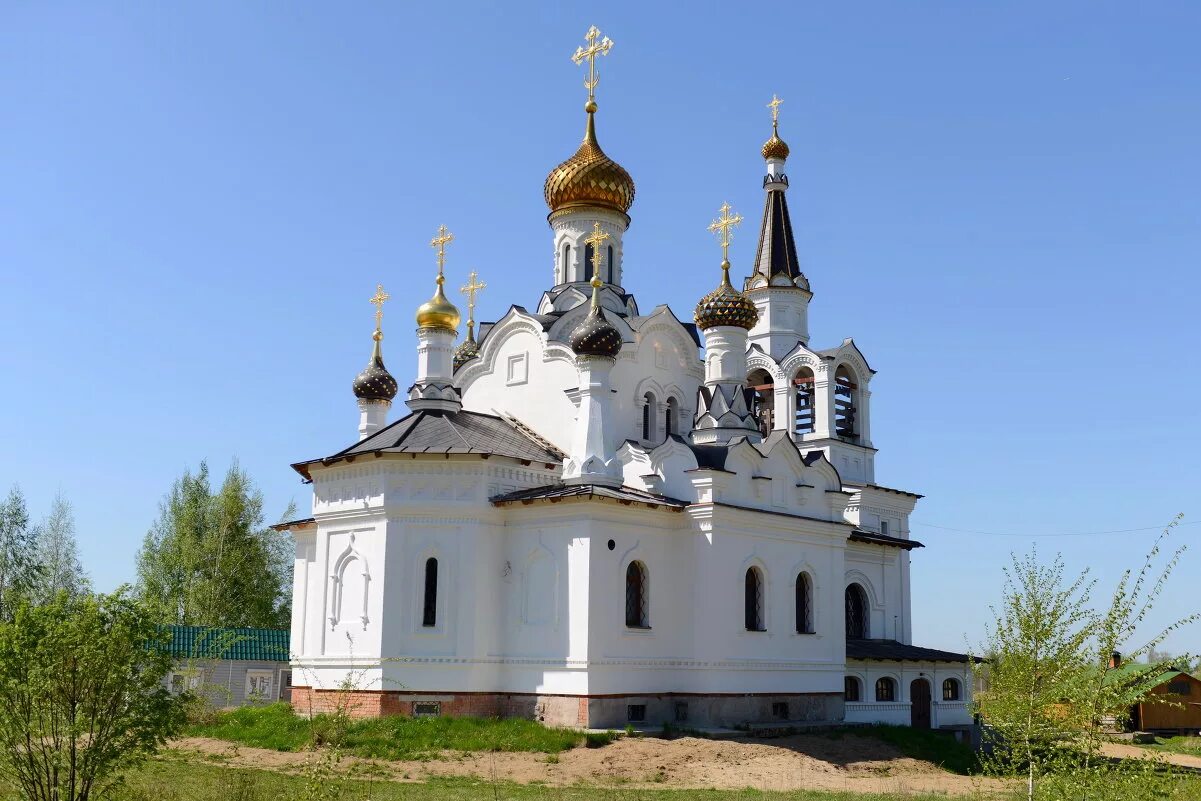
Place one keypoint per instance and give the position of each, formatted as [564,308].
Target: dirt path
[1124,751]
[802,762]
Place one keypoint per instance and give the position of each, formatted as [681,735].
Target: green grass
[936,747]
[276,727]
[1178,745]
[172,780]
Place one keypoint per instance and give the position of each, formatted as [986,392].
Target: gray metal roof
[891,650]
[556,492]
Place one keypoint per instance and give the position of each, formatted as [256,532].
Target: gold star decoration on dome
[440,242]
[469,289]
[722,227]
[377,300]
[589,54]
[596,239]
[774,105]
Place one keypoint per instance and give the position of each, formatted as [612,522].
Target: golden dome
[589,178]
[775,148]
[725,306]
[438,312]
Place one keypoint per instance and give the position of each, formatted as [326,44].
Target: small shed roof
[245,645]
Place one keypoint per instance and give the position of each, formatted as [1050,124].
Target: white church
[596,515]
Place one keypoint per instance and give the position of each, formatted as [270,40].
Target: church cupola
[437,328]
[469,349]
[777,286]
[593,455]
[588,192]
[375,387]
[724,407]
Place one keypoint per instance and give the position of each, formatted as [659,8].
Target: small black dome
[375,383]
[467,351]
[594,336]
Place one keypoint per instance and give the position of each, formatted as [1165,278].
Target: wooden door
[919,697]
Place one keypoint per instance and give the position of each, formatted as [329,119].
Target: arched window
[754,600]
[805,419]
[587,262]
[850,689]
[846,403]
[950,690]
[609,264]
[429,614]
[566,259]
[804,604]
[764,399]
[670,416]
[856,603]
[886,689]
[637,605]
[648,416]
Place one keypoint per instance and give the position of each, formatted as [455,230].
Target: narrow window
[884,527]
[856,613]
[587,262]
[754,600]
[609,263]
[763,399]
[850,689]
[886,690]
[805,418]
[846,402]
[637,611]
[669,417]
[804,604]
[566,260]
[429,615]
[950,690]
[648,416]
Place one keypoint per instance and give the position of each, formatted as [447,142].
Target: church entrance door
[919,698]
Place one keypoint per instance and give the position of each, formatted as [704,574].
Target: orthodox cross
[469,289]
[440,242]
[589,54]
[597,238]
[774,105]
[378,301]
[721,226]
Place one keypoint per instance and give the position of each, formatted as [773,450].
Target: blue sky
[998,201]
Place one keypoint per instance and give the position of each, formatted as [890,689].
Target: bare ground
[854,764]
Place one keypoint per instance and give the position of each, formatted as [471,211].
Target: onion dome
[438,312]
[775,148]
[589,178]
[725,306]
[468,349]
[595,336]
[375,383]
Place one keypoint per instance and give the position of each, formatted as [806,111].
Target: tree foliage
[81,695]
[1051,694]
[58,554]
[19,568]
[210,561]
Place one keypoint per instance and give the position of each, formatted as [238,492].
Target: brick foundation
[578,711]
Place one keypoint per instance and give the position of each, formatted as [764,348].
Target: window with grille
[806,418]
[850,689]
[779,710]
[886,690]
[754,600]
[587,262]
[637,611]
[648,416]
[950,690]
[427,709]
[429,614]
[636,713]
[804,604]
[856,613]
[670,416]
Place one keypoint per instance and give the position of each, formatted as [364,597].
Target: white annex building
[594,513]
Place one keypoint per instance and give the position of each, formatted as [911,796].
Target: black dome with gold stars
[375,383]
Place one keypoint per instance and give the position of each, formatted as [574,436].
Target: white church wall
[877,569]
[898,712]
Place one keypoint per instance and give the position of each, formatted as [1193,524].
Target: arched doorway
[919,698]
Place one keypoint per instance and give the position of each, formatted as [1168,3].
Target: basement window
[636,713]
[681,712]
[427,709]
[779,710]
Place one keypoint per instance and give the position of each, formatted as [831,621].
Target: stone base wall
[597,712]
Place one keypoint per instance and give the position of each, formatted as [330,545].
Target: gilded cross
[440,242]
[597,239]
[589,54]
[378,301]
[721,226]
[469,289]
[774,105]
